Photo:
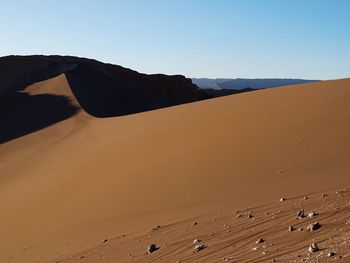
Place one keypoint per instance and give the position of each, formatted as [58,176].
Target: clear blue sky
[196,38]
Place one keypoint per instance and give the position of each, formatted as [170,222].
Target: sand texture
[68,186]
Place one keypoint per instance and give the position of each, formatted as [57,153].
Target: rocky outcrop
[103,90]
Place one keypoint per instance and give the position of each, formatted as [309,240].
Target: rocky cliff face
[103,90]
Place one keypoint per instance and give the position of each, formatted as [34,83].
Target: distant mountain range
[239,83]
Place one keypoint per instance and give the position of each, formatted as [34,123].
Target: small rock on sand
[301,214]
[260,240]
[313,226]
[282,199]
[151,248]
[196,241]
[228,259]
[313,248]
[155,227]
[291,228]
[331,254]
[199,247]
[311,214]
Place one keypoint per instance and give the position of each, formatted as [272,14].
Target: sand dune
[65,188]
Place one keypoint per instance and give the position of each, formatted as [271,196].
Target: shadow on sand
[22,114]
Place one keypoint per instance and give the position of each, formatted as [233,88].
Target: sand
[67,187]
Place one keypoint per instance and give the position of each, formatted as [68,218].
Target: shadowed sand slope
[103,90]
[37,107]
[67,187]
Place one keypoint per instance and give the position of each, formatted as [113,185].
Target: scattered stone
[264,252]
[331,254]
[300,229]
[323,195]
[301,214]
[104,240]
[151,248]
[238,216]
[195,223]
[313,248]
[312,214]
[228,259]
[196,241]
[313,226]
[255,248]
[282,199]
[260,240]
[250,216]
[339,192]
[305,198]
[291,228]
[155,228]
[236,211]
[199,247]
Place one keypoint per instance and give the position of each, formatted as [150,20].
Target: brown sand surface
[65,188]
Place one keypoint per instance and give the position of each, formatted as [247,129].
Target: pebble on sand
[228,259]
[313,226]
[199,247]
[313,248]
[301,214]
[331,254]
[155,227]
[311,214]
[196,241]
[151,248]
[260,240]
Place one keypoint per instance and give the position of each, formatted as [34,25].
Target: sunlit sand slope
[67,187]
